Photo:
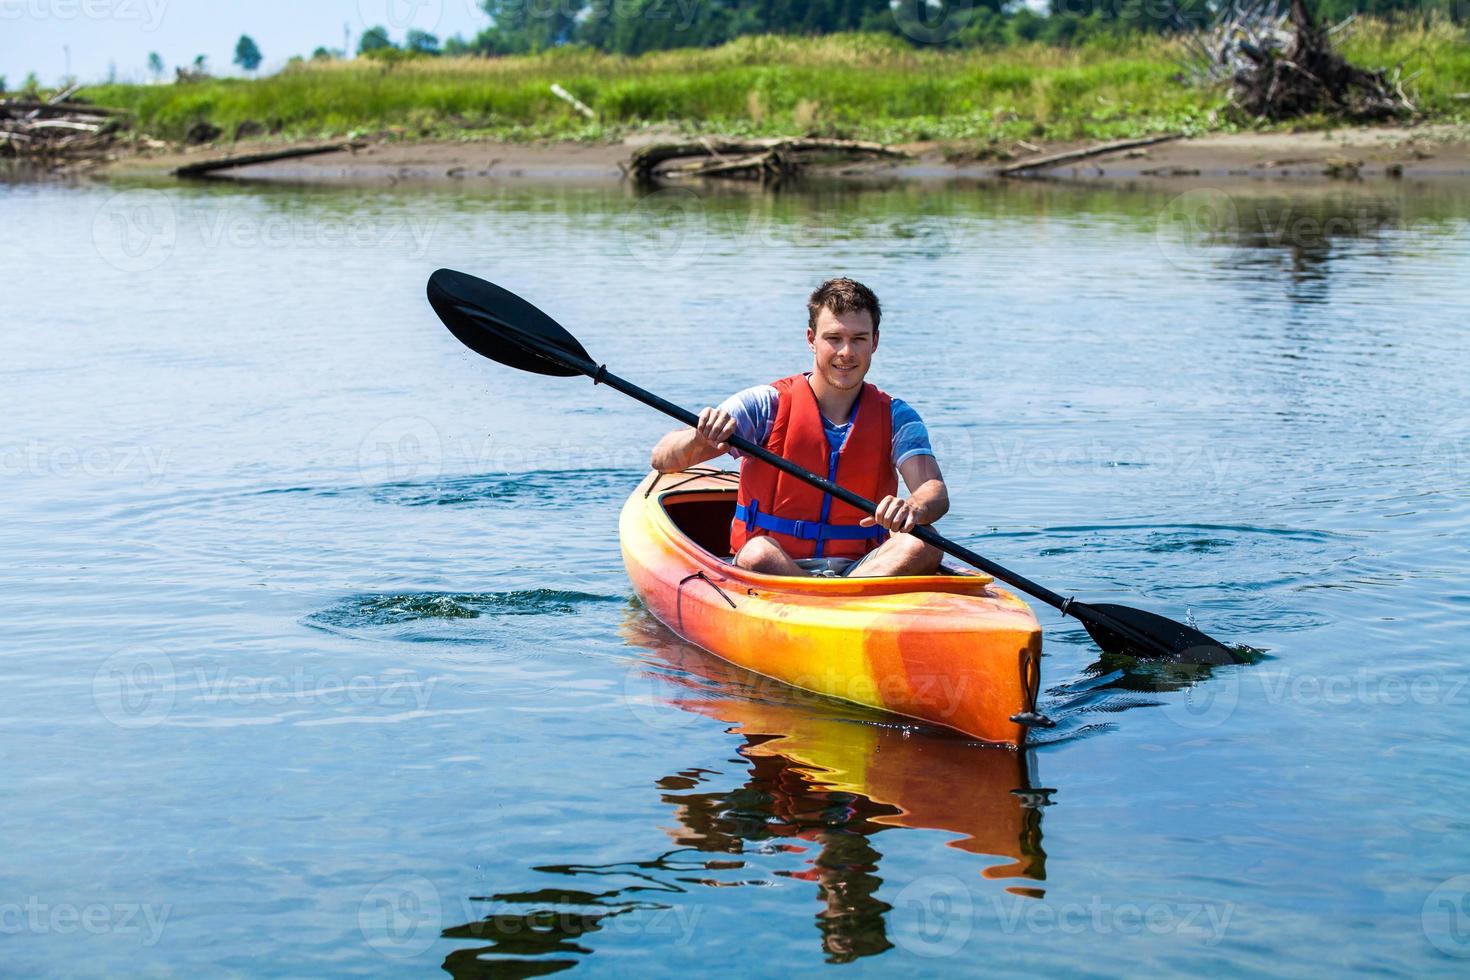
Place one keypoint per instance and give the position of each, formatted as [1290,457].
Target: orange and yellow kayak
[954,650]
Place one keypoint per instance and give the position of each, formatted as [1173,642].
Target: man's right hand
[716,427]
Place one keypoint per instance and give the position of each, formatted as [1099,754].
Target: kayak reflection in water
[821,780]
[829,421]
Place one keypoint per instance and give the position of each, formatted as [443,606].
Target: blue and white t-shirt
[754,410]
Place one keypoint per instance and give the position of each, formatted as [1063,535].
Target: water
[320,658]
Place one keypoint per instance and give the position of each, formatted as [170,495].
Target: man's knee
[760,553]
[919,556]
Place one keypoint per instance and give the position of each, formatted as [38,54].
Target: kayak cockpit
[696,507]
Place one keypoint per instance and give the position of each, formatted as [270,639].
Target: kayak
[952,649]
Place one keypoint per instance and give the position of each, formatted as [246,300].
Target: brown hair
[842,296]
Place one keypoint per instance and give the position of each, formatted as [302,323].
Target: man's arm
[688,447]
[928,499]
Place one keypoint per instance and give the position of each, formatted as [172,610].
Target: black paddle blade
[498,324]
[1180,643]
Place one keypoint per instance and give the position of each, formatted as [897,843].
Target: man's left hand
[898,516]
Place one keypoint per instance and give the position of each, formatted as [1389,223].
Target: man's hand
[898,516]
[688,446]
[715,428]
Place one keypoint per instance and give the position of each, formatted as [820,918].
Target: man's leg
[761,554]
[901,554]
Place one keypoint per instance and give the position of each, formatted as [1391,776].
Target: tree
[155,65]
[422,41]
[247,53]
[374,39]
[324,53]
[201,63]
[533,26]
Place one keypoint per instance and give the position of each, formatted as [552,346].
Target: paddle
[500,325]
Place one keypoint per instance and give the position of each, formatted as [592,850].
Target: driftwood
[56,129]
[1281,66]
[1054,159]
[757,159]
[572,101]
[204,168]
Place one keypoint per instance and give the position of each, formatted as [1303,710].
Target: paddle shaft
[1069,607]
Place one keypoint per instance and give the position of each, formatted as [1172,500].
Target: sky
[106,35]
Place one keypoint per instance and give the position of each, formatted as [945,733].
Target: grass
[854,85]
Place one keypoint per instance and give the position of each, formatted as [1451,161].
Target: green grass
[856,86]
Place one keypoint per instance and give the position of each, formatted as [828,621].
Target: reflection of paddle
[500,325]
[900,776]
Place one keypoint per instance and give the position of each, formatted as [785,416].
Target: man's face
[843,345]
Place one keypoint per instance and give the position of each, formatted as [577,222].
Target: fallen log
[86,108]
[721,167]
[82,127]
[1054,159]
[572,101]
[204,168]
[750,155]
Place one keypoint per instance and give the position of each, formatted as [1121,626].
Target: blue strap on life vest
[805,530]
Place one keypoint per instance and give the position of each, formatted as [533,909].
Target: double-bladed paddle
[498,324]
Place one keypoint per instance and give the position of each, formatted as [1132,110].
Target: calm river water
[320,658]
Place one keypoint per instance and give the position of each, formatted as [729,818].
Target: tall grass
[853,85]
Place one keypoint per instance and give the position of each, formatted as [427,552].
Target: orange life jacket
[806,522]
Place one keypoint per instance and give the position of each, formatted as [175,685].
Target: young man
[836,425]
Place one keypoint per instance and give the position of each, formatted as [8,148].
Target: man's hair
[841,296]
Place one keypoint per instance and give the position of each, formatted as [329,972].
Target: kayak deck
[950,649]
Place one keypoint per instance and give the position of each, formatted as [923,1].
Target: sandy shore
[1422,151]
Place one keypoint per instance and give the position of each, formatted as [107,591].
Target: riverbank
[1438,150]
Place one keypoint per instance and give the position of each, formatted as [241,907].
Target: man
[833,423]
